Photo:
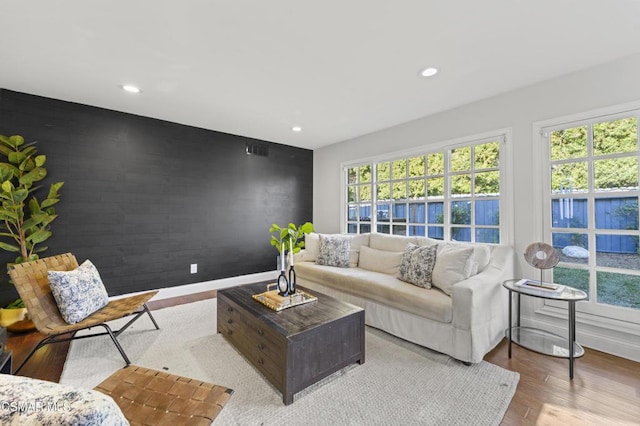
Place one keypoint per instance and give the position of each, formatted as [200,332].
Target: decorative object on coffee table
[274,300]
[286,286]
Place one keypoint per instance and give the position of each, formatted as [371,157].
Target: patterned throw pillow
[334,251]
[78,293]
[417,265]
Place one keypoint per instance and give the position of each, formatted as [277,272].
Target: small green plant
[282,237]
[24,228]
[16,304]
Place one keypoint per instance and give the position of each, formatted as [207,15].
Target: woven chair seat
[150,397]
[32,283]
[116,309]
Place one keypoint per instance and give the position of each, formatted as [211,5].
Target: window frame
[600,313]
[505,168]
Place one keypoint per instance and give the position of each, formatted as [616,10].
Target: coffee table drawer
[258,344]
[270,368]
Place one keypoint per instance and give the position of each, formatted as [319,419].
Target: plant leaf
[7,186]
[49,202]
[40,160]
[39,236]
[8,215]
[306,228]
[19,195]
[9,247]
[34,175]
[34,207]
[16,140]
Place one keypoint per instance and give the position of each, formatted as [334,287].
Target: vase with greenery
[290,237]
[24,220]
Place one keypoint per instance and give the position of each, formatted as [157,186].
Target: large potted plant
[24,220]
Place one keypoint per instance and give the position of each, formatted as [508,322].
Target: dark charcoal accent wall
[145,198]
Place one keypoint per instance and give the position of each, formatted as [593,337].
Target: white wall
[606,85]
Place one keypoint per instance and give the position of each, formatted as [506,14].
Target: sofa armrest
[481,298]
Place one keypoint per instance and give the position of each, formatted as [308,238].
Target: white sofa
[466,324]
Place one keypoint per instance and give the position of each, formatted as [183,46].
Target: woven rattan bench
[32,283]
[150,397]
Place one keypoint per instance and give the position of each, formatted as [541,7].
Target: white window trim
[506,173]
[612,341]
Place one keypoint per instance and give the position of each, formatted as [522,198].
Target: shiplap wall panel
[145,198]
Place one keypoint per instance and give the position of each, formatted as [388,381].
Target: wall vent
[259,149]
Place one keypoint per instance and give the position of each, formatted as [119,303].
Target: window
[591,199]
[453,193]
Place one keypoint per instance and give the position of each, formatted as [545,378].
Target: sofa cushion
[417,265]
[481,253]
[334,250]
[357,241]
[452,266]
[387,262]
[388,242]
[78,293]
[311,247]
[383,289]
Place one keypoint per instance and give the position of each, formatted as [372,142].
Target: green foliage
[284,236]
[16,304]
[613,137]
[609,138]
[24,224]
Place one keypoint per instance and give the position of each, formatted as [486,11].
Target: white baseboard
[183,290]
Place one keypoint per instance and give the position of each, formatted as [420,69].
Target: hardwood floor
[605,389]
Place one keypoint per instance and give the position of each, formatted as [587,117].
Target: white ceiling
[338,68]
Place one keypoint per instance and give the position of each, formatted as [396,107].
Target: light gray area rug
[400,383]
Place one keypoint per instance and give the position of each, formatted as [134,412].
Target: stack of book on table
[540,286]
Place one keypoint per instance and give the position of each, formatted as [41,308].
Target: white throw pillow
[311,247]
[78,293]
[452,266]
[417,265]
[334,250]
[357,241]
[481,254]
[386,262]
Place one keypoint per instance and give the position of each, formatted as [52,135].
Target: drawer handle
[260,361]
[230,332]
[260,332]
[260,346]
[230,321]
[230,309]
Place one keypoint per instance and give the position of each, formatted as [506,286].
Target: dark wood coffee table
[296,347]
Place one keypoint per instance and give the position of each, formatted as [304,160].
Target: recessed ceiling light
[131,88]
[296,129]
[428,72]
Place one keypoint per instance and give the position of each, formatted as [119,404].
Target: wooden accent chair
[32,283]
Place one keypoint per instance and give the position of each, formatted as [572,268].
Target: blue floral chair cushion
[78,293]
[334,251]
[417,265]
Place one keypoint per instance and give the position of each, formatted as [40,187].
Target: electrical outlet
[194,268]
